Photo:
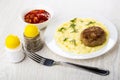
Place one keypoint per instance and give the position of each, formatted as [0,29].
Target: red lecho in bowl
[39,16]
[36,16]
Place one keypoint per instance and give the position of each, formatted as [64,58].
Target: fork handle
[95,70]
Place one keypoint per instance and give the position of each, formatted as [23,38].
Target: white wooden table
[10,11]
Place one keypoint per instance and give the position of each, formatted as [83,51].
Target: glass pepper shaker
[32,38]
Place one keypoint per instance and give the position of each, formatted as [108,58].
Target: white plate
[50,42]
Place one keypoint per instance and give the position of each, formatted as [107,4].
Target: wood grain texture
[10,22]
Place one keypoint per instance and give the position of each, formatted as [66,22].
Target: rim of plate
[50,42]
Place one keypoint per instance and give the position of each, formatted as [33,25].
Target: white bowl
[40,25]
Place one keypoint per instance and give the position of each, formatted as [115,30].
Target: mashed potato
[67,35]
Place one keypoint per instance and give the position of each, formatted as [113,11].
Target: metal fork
[50,62]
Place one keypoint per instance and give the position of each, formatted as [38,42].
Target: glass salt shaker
[32,38]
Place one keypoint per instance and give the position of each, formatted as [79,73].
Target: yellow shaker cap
[12,41]
[31,30]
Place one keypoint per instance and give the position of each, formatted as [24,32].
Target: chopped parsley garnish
[61,29]
[90,23]
[73,27]
[73,42]
[74,30]
[65,39]
[73,20]
[81,21]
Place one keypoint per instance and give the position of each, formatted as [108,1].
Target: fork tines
[40,59]
[36,57]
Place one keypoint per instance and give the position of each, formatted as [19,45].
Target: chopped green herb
[74,30]
[72,25]
[81,21]
[73,20]
[73,42]
[65,39]
[61,29]
[90,23]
